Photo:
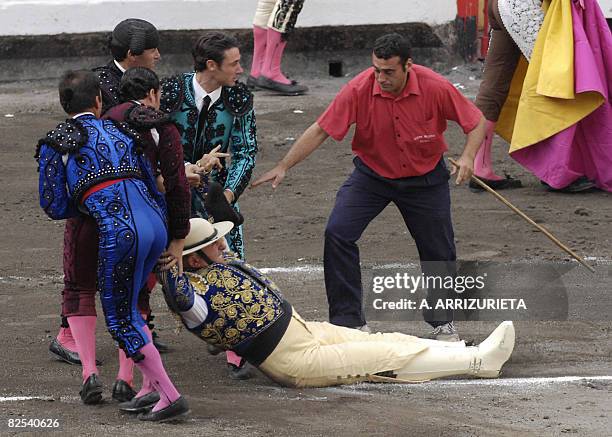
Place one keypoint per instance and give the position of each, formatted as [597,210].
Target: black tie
[202,117]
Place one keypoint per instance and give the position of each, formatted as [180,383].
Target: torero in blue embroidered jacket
[231,124]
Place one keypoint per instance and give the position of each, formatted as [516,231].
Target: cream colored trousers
[266,15]
[318,354]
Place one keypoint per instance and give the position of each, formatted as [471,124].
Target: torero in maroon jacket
[164,150]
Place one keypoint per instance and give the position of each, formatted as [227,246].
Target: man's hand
[229,195]
[276,175]
[165,262]
[175,249]
[465,166]
[192,172]
[312,138]
[159,181]
[211,160]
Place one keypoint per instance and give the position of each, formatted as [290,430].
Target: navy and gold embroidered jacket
[230,123]
[246,311]
[81,153]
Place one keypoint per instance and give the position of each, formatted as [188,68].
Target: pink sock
[153,368]
[275,47]
[147,387]
[482,163]
[260,36]
[66,339]
[84,332]
[126,368]
[233,358]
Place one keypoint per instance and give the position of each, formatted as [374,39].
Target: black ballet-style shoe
[59,352]
[580,185]
[141,404]
[122,391]
[502,184]
[174,411]
[91,392]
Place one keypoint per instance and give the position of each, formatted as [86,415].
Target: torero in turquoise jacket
[230,123]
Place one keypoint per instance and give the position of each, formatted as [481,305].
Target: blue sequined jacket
[246,311]
[81,153]
[230,123]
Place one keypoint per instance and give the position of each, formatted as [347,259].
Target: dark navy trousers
[424,203]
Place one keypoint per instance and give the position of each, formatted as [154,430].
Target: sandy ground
[284,231]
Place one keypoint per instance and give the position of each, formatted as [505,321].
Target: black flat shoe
[242,372]
[122,391]
[91,392]
[291,89]
[252,83]
[502,184]
[578,186]
[141,404]
[59,352]
[174,411]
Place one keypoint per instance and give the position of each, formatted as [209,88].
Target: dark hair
[211,45]
[390,45]
[136,83]
[118,50]
[132,34]
[78,90]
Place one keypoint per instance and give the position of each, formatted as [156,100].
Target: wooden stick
[524,216]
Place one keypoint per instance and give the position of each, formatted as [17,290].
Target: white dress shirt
[200,93]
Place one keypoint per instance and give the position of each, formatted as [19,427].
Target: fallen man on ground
[231,305]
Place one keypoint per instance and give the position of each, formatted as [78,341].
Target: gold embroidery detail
[241,307]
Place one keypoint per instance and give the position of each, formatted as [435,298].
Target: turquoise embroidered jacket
[230,123]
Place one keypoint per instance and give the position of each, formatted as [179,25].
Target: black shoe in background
[503,184]
[59,352]
[291,89]
[580,185]
[122,391]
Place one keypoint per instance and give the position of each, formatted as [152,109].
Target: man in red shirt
[400,112]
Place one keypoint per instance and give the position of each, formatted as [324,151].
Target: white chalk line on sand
[25,398]
[307,268]
[502,382]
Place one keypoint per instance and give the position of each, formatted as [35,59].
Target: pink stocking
[482,163]
[233,358]
[147,387]
[275,47]
[84,332]
[126,368]
[66,339]
[260,36]
[153,368]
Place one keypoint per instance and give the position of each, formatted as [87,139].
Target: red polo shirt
[399,136]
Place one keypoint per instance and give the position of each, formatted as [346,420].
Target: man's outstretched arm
[312,138]
[474,139]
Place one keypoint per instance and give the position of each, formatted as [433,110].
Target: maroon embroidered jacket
[165,158]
